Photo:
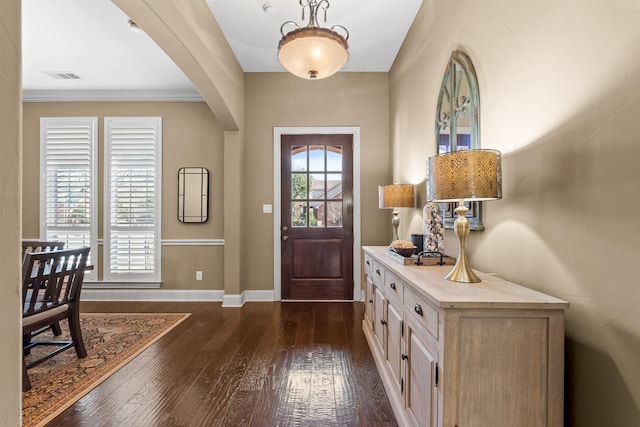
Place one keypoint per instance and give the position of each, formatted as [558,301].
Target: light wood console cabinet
[463,355]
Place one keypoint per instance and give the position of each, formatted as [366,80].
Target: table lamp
[393,197]
[470,175]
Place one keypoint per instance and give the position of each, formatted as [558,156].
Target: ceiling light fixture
[313,52]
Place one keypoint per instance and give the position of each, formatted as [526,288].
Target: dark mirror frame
[457,125]
[193,195]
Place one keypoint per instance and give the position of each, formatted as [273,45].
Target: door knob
[285,228]
[285,237]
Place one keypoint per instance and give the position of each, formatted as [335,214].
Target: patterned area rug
[111,339]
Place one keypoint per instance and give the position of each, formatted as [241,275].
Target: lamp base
[395,222]
[462,272]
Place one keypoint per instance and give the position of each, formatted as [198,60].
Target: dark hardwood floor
[265,364]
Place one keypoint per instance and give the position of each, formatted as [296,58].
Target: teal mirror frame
[193,195]
[457,125]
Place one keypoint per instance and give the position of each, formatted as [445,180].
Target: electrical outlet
[198,275]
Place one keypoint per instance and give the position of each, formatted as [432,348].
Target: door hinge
[436,375]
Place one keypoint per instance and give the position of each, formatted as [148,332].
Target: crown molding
[111,96]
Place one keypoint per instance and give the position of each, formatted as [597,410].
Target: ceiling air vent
[62,75]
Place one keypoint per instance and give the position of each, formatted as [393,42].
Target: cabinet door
[369,300]
[421,396]
[379,324]
[394,342]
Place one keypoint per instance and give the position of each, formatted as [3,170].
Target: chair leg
[26,383]
[55,328]
[76,333]
[26,339]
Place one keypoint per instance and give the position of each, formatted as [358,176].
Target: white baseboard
[247,296]
[150,295]
[177,295]
[234,300]
[259,296]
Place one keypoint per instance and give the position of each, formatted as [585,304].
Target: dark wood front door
[317,217]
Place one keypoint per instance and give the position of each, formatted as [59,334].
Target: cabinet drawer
[394,286]
[377,272]
[368,263]
[421,310]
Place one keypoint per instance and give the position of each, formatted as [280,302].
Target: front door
[317,217]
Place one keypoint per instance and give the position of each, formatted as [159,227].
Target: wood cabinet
[393,354]
[421,373]
[463,355]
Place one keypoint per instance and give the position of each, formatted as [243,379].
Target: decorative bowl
[405,252]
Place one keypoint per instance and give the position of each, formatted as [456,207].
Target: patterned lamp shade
[467,175]
[396,196]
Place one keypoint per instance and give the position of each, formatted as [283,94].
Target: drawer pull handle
[384,322]
[368,263]
[418,309]
[393,285]
[378,271]
[405,357]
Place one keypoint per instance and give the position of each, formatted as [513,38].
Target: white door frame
[277,258]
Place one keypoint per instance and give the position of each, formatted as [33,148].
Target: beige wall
[560,97]
[282,100]
[10,207]
[191,137]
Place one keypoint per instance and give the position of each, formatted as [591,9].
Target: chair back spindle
[40,246]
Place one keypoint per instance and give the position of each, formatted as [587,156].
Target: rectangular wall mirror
[193,195]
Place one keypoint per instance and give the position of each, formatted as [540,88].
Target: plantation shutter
[132,192]
[68,210]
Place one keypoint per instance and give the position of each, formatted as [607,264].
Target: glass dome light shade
[313,52]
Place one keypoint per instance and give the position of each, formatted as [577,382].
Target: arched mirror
[458,123]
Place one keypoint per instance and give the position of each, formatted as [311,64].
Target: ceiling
[90,39]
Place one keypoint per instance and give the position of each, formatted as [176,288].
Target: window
[132,198]
[68,181]
[316,186]
[132,191]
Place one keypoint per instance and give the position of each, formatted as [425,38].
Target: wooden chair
[51,285]
[43,246]
[40,246]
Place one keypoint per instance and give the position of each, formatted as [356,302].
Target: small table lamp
[470,175]
[393,197]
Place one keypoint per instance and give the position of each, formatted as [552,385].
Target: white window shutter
[68,209]
[132,241]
